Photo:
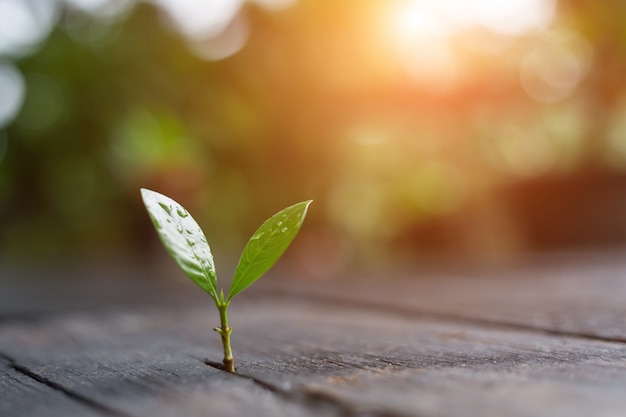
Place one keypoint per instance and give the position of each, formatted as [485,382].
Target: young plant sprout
[186,243]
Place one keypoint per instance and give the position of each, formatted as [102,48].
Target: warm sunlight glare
[416,19]
[512,17]
[422,33]
[420,37]
[411,19]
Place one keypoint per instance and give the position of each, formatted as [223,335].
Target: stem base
[229,364]
[225,331]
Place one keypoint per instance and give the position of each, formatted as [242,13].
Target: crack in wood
[327,404]
[60,388]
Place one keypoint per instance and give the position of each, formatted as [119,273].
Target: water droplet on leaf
[165,207]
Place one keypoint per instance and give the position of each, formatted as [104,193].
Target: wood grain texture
[543,339]
[303,358]
[407,366]
[580,295]
[139,365]
[21,395]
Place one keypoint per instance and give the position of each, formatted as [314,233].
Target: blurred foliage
[316,105]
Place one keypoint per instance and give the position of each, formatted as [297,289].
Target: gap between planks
[94,405]
[307,398]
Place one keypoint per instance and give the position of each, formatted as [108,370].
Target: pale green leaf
[183,239]
[267,245]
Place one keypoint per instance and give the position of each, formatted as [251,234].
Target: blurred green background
[423,129]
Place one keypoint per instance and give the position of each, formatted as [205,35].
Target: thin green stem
[225,331]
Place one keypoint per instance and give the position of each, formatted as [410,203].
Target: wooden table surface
[543,338]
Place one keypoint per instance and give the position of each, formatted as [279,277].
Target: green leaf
[183,239]
[267,245]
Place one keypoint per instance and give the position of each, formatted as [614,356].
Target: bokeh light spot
[13,91]
[512,17]
[102,9]
[552,70]
[227,43]
[200,19]
[24,24]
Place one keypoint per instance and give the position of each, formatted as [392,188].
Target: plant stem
[225,331]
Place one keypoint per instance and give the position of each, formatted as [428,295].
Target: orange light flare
[434,41]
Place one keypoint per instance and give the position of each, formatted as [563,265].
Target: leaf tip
[145,193]
[306,203]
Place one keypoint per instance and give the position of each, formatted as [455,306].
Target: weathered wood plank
[21,395]
[581,295]
[569,294]
[322,360]
[140,365]
[405,366]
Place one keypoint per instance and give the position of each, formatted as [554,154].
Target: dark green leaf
[183,239]
[267,245]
